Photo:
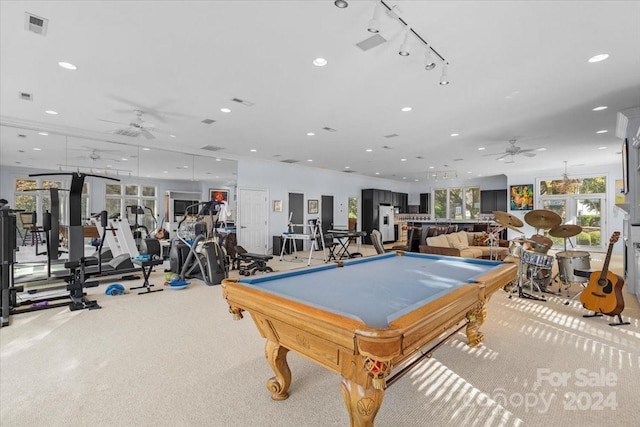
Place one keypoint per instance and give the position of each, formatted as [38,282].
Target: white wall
[280,179]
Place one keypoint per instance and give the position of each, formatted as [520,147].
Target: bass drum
[570,260]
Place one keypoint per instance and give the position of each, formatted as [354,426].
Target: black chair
[432,231]
[330,244]
[452,229]
[414,235]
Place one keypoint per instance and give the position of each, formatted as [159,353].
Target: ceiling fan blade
[494,154]
[146,133]
[111,121]
[503,156]
[528,154]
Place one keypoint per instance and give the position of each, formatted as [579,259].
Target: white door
[253,229]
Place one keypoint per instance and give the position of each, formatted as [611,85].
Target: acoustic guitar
[603,294]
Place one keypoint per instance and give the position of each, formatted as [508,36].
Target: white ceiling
[518,70]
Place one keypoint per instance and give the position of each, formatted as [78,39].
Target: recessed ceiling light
[146,149]
[377,173]
[225,110]
[600,108]
[405,109]
[43,133]
[253,150]
[481,148]
[430,167]
[53,113]
[602,131]
[404,177]
[598,58]
[469,172]
[309,160]
[602,148]
[416,180]
[368,150]
[37,149]
[319,62]
[185,167]
[542,149]
[403,160]
[218,159]
[455,134]
[172,135]
[347,167]
[124,159]
[67,65]
[165,171]
[310,134]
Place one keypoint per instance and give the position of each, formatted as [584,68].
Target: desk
[345,237]
[363,317]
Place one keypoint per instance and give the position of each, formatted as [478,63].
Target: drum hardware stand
[519,285]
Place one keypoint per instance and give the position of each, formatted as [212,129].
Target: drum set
[532,254]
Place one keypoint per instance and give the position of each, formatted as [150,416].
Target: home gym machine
[195,252]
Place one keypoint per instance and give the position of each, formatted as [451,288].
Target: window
[33,195]
[457,203]
[120,198]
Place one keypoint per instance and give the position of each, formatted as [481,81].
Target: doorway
[252,220]
[583,210]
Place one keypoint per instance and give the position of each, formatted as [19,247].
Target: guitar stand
[618,323]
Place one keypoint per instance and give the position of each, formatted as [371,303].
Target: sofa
[465,244]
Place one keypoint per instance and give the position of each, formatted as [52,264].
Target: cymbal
[542,218]
[507,220]
[565,230]
[521,240]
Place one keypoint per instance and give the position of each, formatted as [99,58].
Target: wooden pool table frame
[364,356]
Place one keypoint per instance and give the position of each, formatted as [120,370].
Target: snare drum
[570,260]
[541,244]
[537,259]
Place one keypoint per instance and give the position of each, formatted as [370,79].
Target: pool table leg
[362,403]
[476,318]
[277,357]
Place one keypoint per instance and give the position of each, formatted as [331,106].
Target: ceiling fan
[513,150]
[136,127]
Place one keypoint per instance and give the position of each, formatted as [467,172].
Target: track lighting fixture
[341,4]
[404,48]
[428,60]
[444,78]
[374,23]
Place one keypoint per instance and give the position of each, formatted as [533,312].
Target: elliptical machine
[195,252]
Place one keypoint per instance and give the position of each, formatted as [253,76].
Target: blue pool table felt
[375,290]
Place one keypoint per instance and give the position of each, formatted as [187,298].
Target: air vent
[348,171]
[290,161]
[211,148]
[386,147]
[208,121]
[25,96]
[243,102]
[328,129]
[419,157]
[35,24]
[22,135]
[457,160]
[393,135]
[371,42]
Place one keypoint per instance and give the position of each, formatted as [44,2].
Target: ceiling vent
[211,148]
[386,147]
[348,171]
[419,157]
[208,121]
[21,135]
[133,133]
[243,102]
[290,161]
[328,129]
[371,42]
[393,135]
[25,96]
[35,24]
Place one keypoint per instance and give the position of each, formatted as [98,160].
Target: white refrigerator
[385,223]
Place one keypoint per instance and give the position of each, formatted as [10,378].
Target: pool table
[361,318]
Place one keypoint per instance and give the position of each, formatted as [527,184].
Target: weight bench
[248,264]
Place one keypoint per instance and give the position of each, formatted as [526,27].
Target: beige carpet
[177,358]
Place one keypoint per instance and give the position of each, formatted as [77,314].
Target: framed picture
[312,206]
[521,197]
[277,205]
[219,195]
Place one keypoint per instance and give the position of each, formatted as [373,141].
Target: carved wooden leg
[362,403]
[277,357]
[476,318]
